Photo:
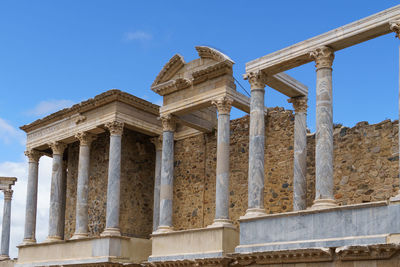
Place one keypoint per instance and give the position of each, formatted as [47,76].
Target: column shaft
[157,182]
[5,231]
[31,197]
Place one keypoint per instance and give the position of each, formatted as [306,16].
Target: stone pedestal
[31,197]
[5,230]
[222,176]
[256,146]
[114,179]
[56,193]
[300,153]
[323,57]
[157,141]
[167,174]
[82,218]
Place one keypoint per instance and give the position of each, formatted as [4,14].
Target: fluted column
[56,197]
[224,106]
[395,27]
[300,152]
[31,196]
[82,218]
[5,230]
[167,174]
[114,179]
[256,145]
[157,141]
[323,57]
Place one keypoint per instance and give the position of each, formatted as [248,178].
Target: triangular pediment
[169,69]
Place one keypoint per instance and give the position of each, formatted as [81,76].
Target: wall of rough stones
[137,183]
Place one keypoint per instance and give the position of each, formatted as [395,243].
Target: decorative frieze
[367,252]
[257,79]
[33,155]
[168,123]
[85,138]
[58,147]
[223,105]
[115,127]
[323,57]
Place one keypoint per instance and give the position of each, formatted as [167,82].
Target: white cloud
[8,133]
[20,170]
[138,36]
[49,106]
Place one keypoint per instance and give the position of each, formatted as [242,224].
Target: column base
[28,241]
[4,257]
[111,232]
[164,229]
[79,236]
[222,223]
[253,212]
[323,204]
[53,239]
[396,198]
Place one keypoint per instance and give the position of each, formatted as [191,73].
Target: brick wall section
[137,183]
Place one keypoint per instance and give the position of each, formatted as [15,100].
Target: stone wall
[137,182]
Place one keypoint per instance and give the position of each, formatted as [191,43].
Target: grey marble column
[256,146]
[82,216]
[31,197]
[64,198]
[157,141]
[167,174]
[5,230]
[56,197]
[114,179]
[323,57]
[300,153]
[222,176]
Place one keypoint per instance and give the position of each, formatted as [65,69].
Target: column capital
[157,141]
[85,138]
[395,27]
[223,104]
[115,127]
[8,194]
[33,155]
[299,103]
[168,123]
[323,57]
[256,79]
[58,147]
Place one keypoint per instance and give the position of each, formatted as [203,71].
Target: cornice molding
[169,69]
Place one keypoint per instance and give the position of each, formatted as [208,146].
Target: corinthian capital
[395,27]
[58,147]
[33,155]
[8,194]
[168,123]
[256,79]
[157,141]
[223,105]
[115,127]
[323,57]
[299,103]
[85,138]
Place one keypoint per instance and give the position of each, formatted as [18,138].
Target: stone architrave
[82,216]
[5,230]
[56,193]
[323,57]
[256,145]
[157,141]
[31,196]
[167,173]
[224,106]
[300,152]
[114,179]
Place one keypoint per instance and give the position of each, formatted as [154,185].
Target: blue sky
[56,53]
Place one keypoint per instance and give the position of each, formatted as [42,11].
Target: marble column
[64,198]
[300,153]
[157,141]
[31,196]
[224,106]
[5,230]
[56,197]
[167,174]
[114,179]
[256,145]
[323,57]
[82,216]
